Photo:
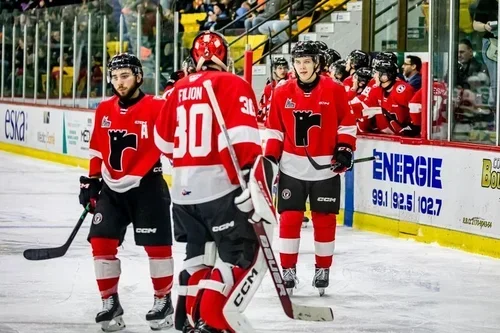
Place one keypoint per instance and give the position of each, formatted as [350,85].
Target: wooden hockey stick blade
[292,310]
[56,252]
[329,166]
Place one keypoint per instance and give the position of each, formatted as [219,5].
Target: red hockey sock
[161,268]
[193,292]
[290,225]
[212,301]
[107,266]
[325,226]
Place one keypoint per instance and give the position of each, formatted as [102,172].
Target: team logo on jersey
[400,89]
[289,104]
[324,103]
[185,192]
[105,123]
[97,218]
[286,194]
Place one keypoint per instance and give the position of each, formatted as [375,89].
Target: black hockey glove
[342,159]
[89,192]
[410,130]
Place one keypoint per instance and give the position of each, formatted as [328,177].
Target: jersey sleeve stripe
[415,107]
[239,134]
[94,153]
[275,134]
[165,146]
[347,130]
[371,112]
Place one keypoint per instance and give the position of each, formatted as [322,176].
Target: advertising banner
[445,187]
[45,129]
[77,131]
[15,124]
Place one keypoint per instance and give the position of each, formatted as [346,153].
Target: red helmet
[210,46]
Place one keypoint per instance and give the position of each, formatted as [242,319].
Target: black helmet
[364,74]
[359,59]
[384,56]
[387,67]
[333,56]
[321,45]
[306,49]
[338,69]
[280,61]
[125,60]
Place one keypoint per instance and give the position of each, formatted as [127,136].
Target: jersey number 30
[194,131]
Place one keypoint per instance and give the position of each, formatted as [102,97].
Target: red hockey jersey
[439,110]
[389,110]
[122,148]
[265,101]
[188,133]
[318,120]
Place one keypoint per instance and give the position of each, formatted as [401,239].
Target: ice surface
[378,283]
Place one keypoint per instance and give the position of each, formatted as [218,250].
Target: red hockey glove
[342,159]
[89,192]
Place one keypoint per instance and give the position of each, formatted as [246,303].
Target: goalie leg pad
[325,226]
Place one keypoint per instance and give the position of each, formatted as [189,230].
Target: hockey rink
[377,284]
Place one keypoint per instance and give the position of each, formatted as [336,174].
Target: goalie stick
[292,310]
[318,166]
[56,252]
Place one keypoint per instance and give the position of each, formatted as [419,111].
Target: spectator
[271,11]
[411,71]
[486,21]
[240,12]
[471,68]
[196,6]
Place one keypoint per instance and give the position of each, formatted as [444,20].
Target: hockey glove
[342,159]
[89,192]
[410,131]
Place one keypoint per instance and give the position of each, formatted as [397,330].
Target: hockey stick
[294,311]
[56,252]
[318,166]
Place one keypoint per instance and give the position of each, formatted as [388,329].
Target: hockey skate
[202,327]
[321,279]
[290,279]
[111,314]
[160,316]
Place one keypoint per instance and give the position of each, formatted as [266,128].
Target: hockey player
[125,184]
[356,59]
[360,81]
[205,184]
[385,106]
[338,72]
[309,112]
[279,72]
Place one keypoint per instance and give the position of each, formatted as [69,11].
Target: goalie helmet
[210,47]
[125,60]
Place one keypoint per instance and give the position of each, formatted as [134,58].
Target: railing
[59,55]
[313,22]
[395,19]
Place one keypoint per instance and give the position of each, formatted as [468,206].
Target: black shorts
[220,221]
[324,195]
[147,207]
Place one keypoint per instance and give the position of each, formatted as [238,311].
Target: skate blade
[160,324]
[114,325]
[321,291]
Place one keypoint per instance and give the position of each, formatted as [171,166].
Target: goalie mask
[210,47]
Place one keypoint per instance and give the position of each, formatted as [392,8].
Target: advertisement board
[15,124]
[446,187]
[77,129]
[45,131]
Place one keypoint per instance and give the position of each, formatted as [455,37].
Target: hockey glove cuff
[244,202]
[342,159]
[89,192]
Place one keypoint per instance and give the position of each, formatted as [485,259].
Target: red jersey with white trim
[265,101]
[122,147]
[439,112]
[188,133]
[389,110]
[319,120]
